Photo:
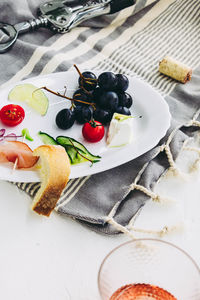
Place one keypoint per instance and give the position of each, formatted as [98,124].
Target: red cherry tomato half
[12,115]
[93,131]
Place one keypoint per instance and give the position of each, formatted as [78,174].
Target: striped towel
[132,41]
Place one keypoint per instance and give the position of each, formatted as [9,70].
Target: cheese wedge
[120,132]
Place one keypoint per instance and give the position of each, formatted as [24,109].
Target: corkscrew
[60,16]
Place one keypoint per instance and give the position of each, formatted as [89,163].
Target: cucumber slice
[68,142]
[75,158]
[65,141]
[30,94]
[47,139]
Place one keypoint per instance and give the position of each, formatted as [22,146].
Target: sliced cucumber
[68,141]
[75,158]
[75,150]
[31,95]
[82,154]
[47,139]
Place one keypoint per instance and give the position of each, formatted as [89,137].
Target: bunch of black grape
[100,98]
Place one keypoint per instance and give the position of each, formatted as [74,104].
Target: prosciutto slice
[10,151]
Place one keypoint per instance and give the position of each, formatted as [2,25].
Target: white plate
[148,130]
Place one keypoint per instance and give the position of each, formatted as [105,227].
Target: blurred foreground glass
[149,269]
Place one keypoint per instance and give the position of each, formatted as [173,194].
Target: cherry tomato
[93,131]
[12,115]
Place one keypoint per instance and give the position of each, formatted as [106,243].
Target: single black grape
[107,81]
[123,110]
[65,118]
[96,93]
[125,99]
[109,100]
[122,82]
[83,96]
[88,80]
[83,114]
[102,115]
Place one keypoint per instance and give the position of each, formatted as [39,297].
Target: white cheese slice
[120,132]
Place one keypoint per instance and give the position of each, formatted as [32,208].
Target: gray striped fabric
[126,42]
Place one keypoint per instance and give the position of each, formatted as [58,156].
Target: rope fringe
[171,161]
[196,115]
[155,197]
[193,123]
[172,165]
[194,167]
[164,231]
[119,227]
[161,233]
[192,149]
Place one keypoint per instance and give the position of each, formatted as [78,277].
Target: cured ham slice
[3,158]
[15,150]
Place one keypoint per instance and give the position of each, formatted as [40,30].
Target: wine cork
[175,69]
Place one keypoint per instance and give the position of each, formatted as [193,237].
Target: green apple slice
[31,95]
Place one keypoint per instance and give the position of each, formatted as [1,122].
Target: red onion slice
[2,132]
[10,136]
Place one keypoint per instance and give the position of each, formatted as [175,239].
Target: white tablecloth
[56,258]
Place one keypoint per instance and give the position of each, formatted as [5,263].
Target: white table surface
[56,258]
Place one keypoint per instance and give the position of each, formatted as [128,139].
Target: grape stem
[84,88]
[87,80]
[81,75]
[63,96]
[77,69]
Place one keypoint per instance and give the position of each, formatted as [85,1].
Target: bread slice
[54,172]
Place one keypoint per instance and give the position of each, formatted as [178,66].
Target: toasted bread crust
[55,171]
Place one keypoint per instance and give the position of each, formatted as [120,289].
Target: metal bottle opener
[60,16]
